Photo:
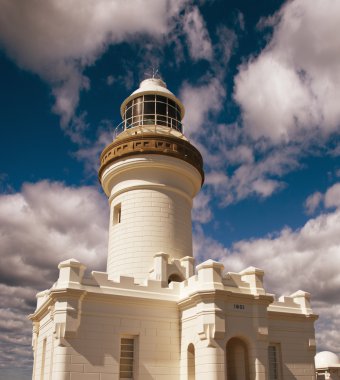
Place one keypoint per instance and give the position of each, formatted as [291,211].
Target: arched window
[237,360]
[191,362]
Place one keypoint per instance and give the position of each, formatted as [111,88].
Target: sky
[260,81]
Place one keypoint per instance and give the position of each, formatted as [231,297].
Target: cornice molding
[151,144]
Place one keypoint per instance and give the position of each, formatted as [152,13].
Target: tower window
[274,362]
[127,356]
[117,213]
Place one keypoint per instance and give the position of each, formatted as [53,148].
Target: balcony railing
[149,124]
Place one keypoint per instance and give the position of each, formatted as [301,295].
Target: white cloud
[313,202]
[260,177]
[126,80]
[52,221]
[15,328]
[290,90]
[330,199]
[40,226]
[58,39]
[332,196]
[201,101]
[201,210]
[89,153]
[205,247]
[198,39]
[327,327]
[309,257]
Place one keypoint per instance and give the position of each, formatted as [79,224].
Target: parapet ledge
[101,280]
[209,274]
[71,275]
[42,297]
[254,277]
[167,269]
[70,272]
[297,303]
[188,286]
[302,298]
[233,282]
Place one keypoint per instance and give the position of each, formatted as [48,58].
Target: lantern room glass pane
[149,98]
[149,108]
[160,98]
[171,103]
[128,113]
[138,106]
[160,108]
[172,112]
[162,120]
[149,120]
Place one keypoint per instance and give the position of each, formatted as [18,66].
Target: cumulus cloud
[89,153]
[330,199]
[125,80]
[292,87]
[205,247]
[40,226]
[201,211]
[313,202]
[248,167]
[58,39]
[287,96]
[199,43]
[205,99]
[237,168]
[332,196]
[201,101]
[52,221]
[309,257]
[15,329]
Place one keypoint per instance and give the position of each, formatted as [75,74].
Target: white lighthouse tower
[153,315]
[150,173]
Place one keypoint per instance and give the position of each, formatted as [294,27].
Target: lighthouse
[150,174]
[153,314]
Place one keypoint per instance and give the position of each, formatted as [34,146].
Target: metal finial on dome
[154,74]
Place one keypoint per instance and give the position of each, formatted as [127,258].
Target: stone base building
[153,315]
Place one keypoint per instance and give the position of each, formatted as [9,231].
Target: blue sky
[261,85]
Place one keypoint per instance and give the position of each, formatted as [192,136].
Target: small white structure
[153,315]
[327,365]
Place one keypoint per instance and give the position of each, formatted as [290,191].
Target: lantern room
[152,104]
